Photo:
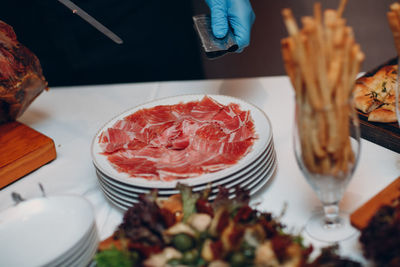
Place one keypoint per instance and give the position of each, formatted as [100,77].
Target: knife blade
[92,21]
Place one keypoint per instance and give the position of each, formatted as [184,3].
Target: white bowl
[38,231]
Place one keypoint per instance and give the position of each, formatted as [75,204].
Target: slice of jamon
[211,131]
[151,132]
[151,162]
[164,138]
[237,148]
[128,125]
[208,155]
[206,109]
[148,123]
[228,119]
[136,167]
[159,114]
[141,162]
[178,164]
[155,115]
[179,141]
[245,132]
[145,133]
[145,118]
[189,129]
[183,110]
[177,136]
[115,139]
[212,152]
[247,120]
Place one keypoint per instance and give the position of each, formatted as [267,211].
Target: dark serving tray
[384,134]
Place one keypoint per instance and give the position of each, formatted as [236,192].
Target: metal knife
[92,21]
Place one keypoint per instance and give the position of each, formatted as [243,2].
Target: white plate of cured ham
[193,139]
[248,173]
[124,199]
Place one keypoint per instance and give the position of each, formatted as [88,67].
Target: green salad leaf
[114,258]
[189,200]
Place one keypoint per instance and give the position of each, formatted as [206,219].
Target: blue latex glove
[236,13]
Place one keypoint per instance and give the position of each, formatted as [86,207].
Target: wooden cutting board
[22,150]
[362,215]
[383,134]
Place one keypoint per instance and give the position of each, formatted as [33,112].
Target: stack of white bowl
[48,231]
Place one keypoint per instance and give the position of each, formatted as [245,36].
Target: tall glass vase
[327,148]
[397,92]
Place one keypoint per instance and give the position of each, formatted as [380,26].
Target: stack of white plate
[49,231]
[252,172]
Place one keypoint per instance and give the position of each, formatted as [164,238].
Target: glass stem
[397,93]
[332,218]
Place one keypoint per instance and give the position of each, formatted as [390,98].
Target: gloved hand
[236,13]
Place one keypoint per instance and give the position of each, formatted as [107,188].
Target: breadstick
[341,7]
[346,157]
[287,47]
[322,124]
[307,73]
[394,22]
[322,61]
[290,22]
[314,136]
[348,42]
[329,19]
[304,127]
[333,134]
[356,58]
[291,67]
[395,28]
[322,67]
[318,13]
[314,58]
[325,165]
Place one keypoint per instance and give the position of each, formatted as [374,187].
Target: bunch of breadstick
[393,17]
[322,60]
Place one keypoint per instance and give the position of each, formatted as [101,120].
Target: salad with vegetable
[188,230]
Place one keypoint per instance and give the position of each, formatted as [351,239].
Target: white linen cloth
[71,116]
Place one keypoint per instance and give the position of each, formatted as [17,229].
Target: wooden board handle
[22,150]
[361,217]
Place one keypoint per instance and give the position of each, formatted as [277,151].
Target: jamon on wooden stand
[22,149]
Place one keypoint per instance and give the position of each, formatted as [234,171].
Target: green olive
[249,252]
[174,262]
[182,242]
[238,259]
[203,235]
[135,257]
[190,256]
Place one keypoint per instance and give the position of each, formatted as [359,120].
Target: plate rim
[268,169]
[238,175]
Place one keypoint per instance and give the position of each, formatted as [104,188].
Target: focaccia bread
[375,95]
[386,112]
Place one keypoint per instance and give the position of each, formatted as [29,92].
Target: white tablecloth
[71,116]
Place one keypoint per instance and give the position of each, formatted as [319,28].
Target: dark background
[263,57]
[160,43]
